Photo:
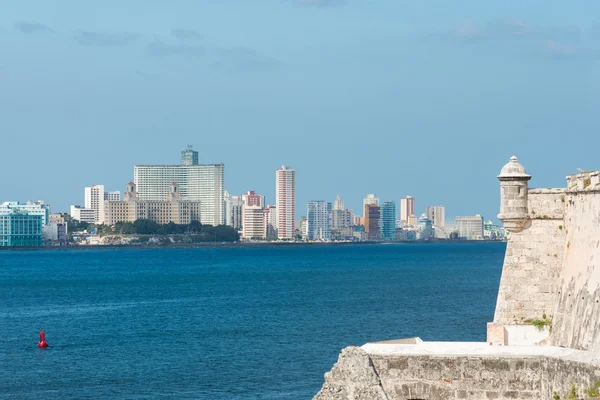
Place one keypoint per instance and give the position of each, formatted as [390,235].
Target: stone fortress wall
[550,277]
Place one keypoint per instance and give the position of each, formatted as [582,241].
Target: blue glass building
[388,221]
[19,229]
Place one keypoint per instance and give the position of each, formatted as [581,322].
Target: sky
[392,97]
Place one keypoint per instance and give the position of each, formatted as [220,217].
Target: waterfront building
[250,198]
[470,227]
[406,234]
[407,208]
[19,228]
[271,212]
[370,199]
[424,228]
[492,231]
[82,214]
[360,236]
[171,209]
[412,220]
[338,204]
[318,220]
[356,220]
[30,207]
[227,207]
[233,209]
[444,232]
[55,232]
[189,156]
[300,230]
[112,196]
[285,196]
[342,224]
[388,221]
[341,219]
[372,215]
[94,200]
[437,214]
[197,183]
[237,212]
[254,223]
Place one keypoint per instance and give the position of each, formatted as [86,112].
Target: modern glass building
[20,229]
[388,221]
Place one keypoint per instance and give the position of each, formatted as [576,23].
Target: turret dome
[513,170]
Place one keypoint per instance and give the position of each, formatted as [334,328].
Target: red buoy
[42,342]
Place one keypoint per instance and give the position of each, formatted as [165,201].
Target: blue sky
[390,97]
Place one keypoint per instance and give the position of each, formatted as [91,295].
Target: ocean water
[226,323]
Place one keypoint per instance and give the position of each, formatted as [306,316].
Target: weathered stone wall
[576,320]
[533,261]
[359,375]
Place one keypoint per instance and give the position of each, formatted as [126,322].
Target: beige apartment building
[172,209]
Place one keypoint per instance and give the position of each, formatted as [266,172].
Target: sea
[227,323]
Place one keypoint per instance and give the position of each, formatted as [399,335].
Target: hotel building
[197,183]
[171,209]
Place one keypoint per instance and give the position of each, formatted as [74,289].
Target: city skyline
[117,90]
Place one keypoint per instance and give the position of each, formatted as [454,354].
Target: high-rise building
[30,207]
[203,183]
[271,212]
[388,219]
[370,199]
[19,228]
[227,207]
[255,222]
[470,227]
[372,221]
[342,224]
[407,208]
[338,204]
[233,208]
[318,220]
[285,194]
[253,199]
[436,214]
[189,156]
[341,219]
[94,200]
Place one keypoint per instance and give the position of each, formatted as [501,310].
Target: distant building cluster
[190,191]
[30,224]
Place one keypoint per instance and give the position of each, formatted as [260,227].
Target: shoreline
[228,245]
